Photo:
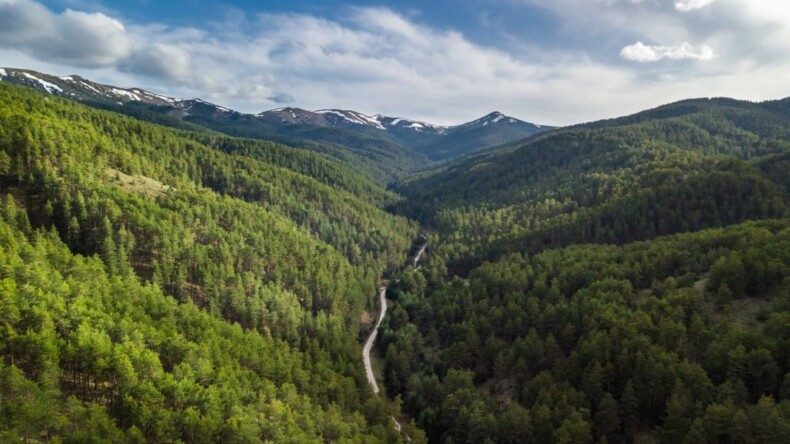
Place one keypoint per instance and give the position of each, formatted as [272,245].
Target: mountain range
[422,141]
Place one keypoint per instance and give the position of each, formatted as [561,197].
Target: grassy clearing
[137,184]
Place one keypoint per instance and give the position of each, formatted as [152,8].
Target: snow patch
[50,87]
[370,121]
[165,98]
[67,78]
[359,119]
[124,93]
[91,88]
[3,73]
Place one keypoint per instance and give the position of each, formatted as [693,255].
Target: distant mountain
[349,120]
[408,143]
[435,141]
[491,130]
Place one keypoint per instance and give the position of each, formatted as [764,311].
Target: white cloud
[690,5]
[639,52]
[73,38]
[160,60]
[378,61]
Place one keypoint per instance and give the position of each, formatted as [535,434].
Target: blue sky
[547,61]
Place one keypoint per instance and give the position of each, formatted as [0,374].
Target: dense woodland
[152,277]
[601,283]
[683,167]
[682,339]
[626,280]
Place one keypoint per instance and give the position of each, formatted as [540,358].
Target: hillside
[679,339]
[621,281]
[165,285]
[613,181]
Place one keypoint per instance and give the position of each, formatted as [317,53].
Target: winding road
[373,334]
[372,339]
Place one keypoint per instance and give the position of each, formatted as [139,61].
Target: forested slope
[374,153]
[615,181]
[621,281]
[153,277]
[679,339]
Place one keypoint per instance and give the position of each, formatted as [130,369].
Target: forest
[162,286]
[620,281]
[626,280]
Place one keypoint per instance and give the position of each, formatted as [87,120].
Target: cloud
[376,60]
[160,60]
[639,52]
[690,5]
[72,38]
[281,98]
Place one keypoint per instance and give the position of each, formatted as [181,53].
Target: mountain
[349,120]
[85,90]
[380,158]
[491,130]
[395,145]
[435,141]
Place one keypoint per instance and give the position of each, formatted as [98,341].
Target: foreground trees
[684,338]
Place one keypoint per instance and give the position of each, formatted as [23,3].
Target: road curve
[372,338]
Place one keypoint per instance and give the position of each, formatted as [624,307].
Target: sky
[552,62]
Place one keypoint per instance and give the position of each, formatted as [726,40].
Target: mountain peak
[493,128]
[492,118]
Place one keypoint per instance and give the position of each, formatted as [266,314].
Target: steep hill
[162,285]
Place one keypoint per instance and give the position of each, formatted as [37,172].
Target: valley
[176,271]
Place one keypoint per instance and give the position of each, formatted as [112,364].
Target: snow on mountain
[76,87]
[351,117]
[128,94]
[293,116]
[402,123]
[494,117]
[50,87]
[347,118]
